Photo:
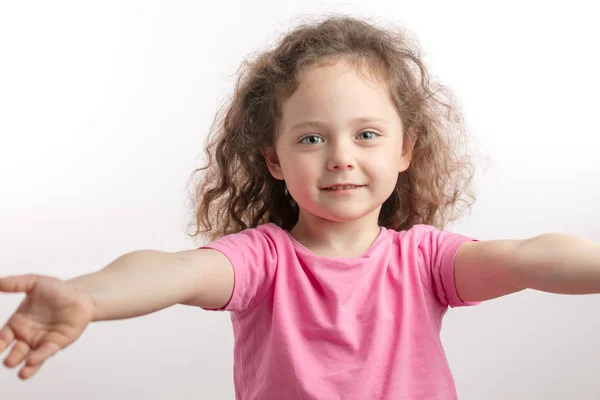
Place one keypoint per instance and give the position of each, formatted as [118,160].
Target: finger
[6,337]
[17,354]
[18,283]
[29,370]
[42,353]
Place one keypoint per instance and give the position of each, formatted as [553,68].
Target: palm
[52,316]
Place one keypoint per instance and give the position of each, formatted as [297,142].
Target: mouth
[345,186]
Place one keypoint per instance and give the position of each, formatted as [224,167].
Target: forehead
[335,92]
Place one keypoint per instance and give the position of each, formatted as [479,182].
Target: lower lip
[341,192]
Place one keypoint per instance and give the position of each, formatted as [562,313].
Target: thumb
[18,283]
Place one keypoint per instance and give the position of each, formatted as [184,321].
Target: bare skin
[52,316]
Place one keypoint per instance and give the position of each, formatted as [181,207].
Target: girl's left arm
[552,262]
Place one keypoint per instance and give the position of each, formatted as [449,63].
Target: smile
[342,187]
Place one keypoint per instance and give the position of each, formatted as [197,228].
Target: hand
[52,316]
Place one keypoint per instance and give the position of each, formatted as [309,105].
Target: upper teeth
[342,187]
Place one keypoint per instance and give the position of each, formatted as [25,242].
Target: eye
[367,135]
[311,139]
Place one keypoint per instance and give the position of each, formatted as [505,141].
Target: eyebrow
[318,124]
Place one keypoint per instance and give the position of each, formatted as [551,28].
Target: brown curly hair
[235,190]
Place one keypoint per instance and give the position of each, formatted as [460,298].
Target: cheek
[384,166]
[299,167]
[386,159]
[299,160]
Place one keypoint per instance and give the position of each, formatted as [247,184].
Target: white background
[104,108]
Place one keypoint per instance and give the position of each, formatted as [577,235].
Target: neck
[336,239]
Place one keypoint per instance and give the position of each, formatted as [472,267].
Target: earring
[287,194]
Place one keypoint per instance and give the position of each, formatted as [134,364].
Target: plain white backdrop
[104,109]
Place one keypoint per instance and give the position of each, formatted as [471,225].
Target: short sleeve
[437,251]
[254,259]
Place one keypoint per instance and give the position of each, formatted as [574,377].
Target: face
[340,147]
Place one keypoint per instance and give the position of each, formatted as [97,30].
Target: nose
[340,157]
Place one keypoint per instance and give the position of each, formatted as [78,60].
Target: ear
[273,162]
[408,145]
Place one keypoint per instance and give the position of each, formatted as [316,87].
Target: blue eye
[311,139]
[366,135]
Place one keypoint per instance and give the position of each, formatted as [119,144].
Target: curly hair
[235,190]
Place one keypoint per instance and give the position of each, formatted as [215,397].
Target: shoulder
[420,232]
[427,241]
[267,237]
[253,254]
[433,252]
[414,235]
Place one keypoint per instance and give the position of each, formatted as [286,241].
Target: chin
[346,216]
[340,213]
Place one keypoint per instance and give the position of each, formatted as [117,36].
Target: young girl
[331,178]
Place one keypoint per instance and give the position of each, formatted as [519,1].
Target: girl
[331,177]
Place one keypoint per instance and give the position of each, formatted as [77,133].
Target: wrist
[85,300]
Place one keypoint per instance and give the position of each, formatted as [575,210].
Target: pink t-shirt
[315,327]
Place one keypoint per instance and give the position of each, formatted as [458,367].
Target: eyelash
[303,140]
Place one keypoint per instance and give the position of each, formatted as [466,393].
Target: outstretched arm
[552,262]
[55,312]
[145,281]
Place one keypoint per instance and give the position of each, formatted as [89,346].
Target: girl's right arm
[146,281]
[54,312]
